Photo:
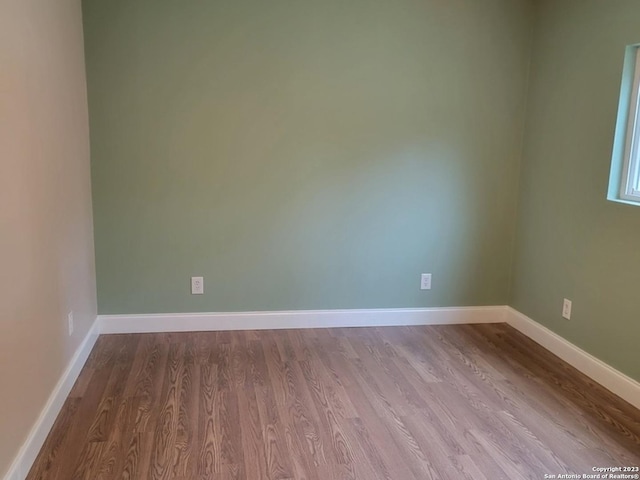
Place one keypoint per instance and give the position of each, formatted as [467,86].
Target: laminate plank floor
[399,403]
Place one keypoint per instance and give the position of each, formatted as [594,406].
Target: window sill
[626,202]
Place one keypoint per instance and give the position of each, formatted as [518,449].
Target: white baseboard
[38,434]
[617,382]
[194,322]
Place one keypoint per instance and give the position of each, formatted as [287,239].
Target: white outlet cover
[197,285]
[425,281]
[566,309]
[70,322]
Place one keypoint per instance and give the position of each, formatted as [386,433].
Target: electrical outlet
[566,309]
[197,285]
[70,322]
[425,281]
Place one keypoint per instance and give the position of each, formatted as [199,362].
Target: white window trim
[631,166]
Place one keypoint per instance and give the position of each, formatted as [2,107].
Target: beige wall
[46,233]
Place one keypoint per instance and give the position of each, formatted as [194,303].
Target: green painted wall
[571,241]
[304,154]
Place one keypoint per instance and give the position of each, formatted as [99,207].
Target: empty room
[336,239]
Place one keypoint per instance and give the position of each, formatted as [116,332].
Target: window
[630,184]
[624,182]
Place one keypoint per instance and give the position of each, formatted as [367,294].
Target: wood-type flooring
[480,402]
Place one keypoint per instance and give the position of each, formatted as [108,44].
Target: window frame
[630,180]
